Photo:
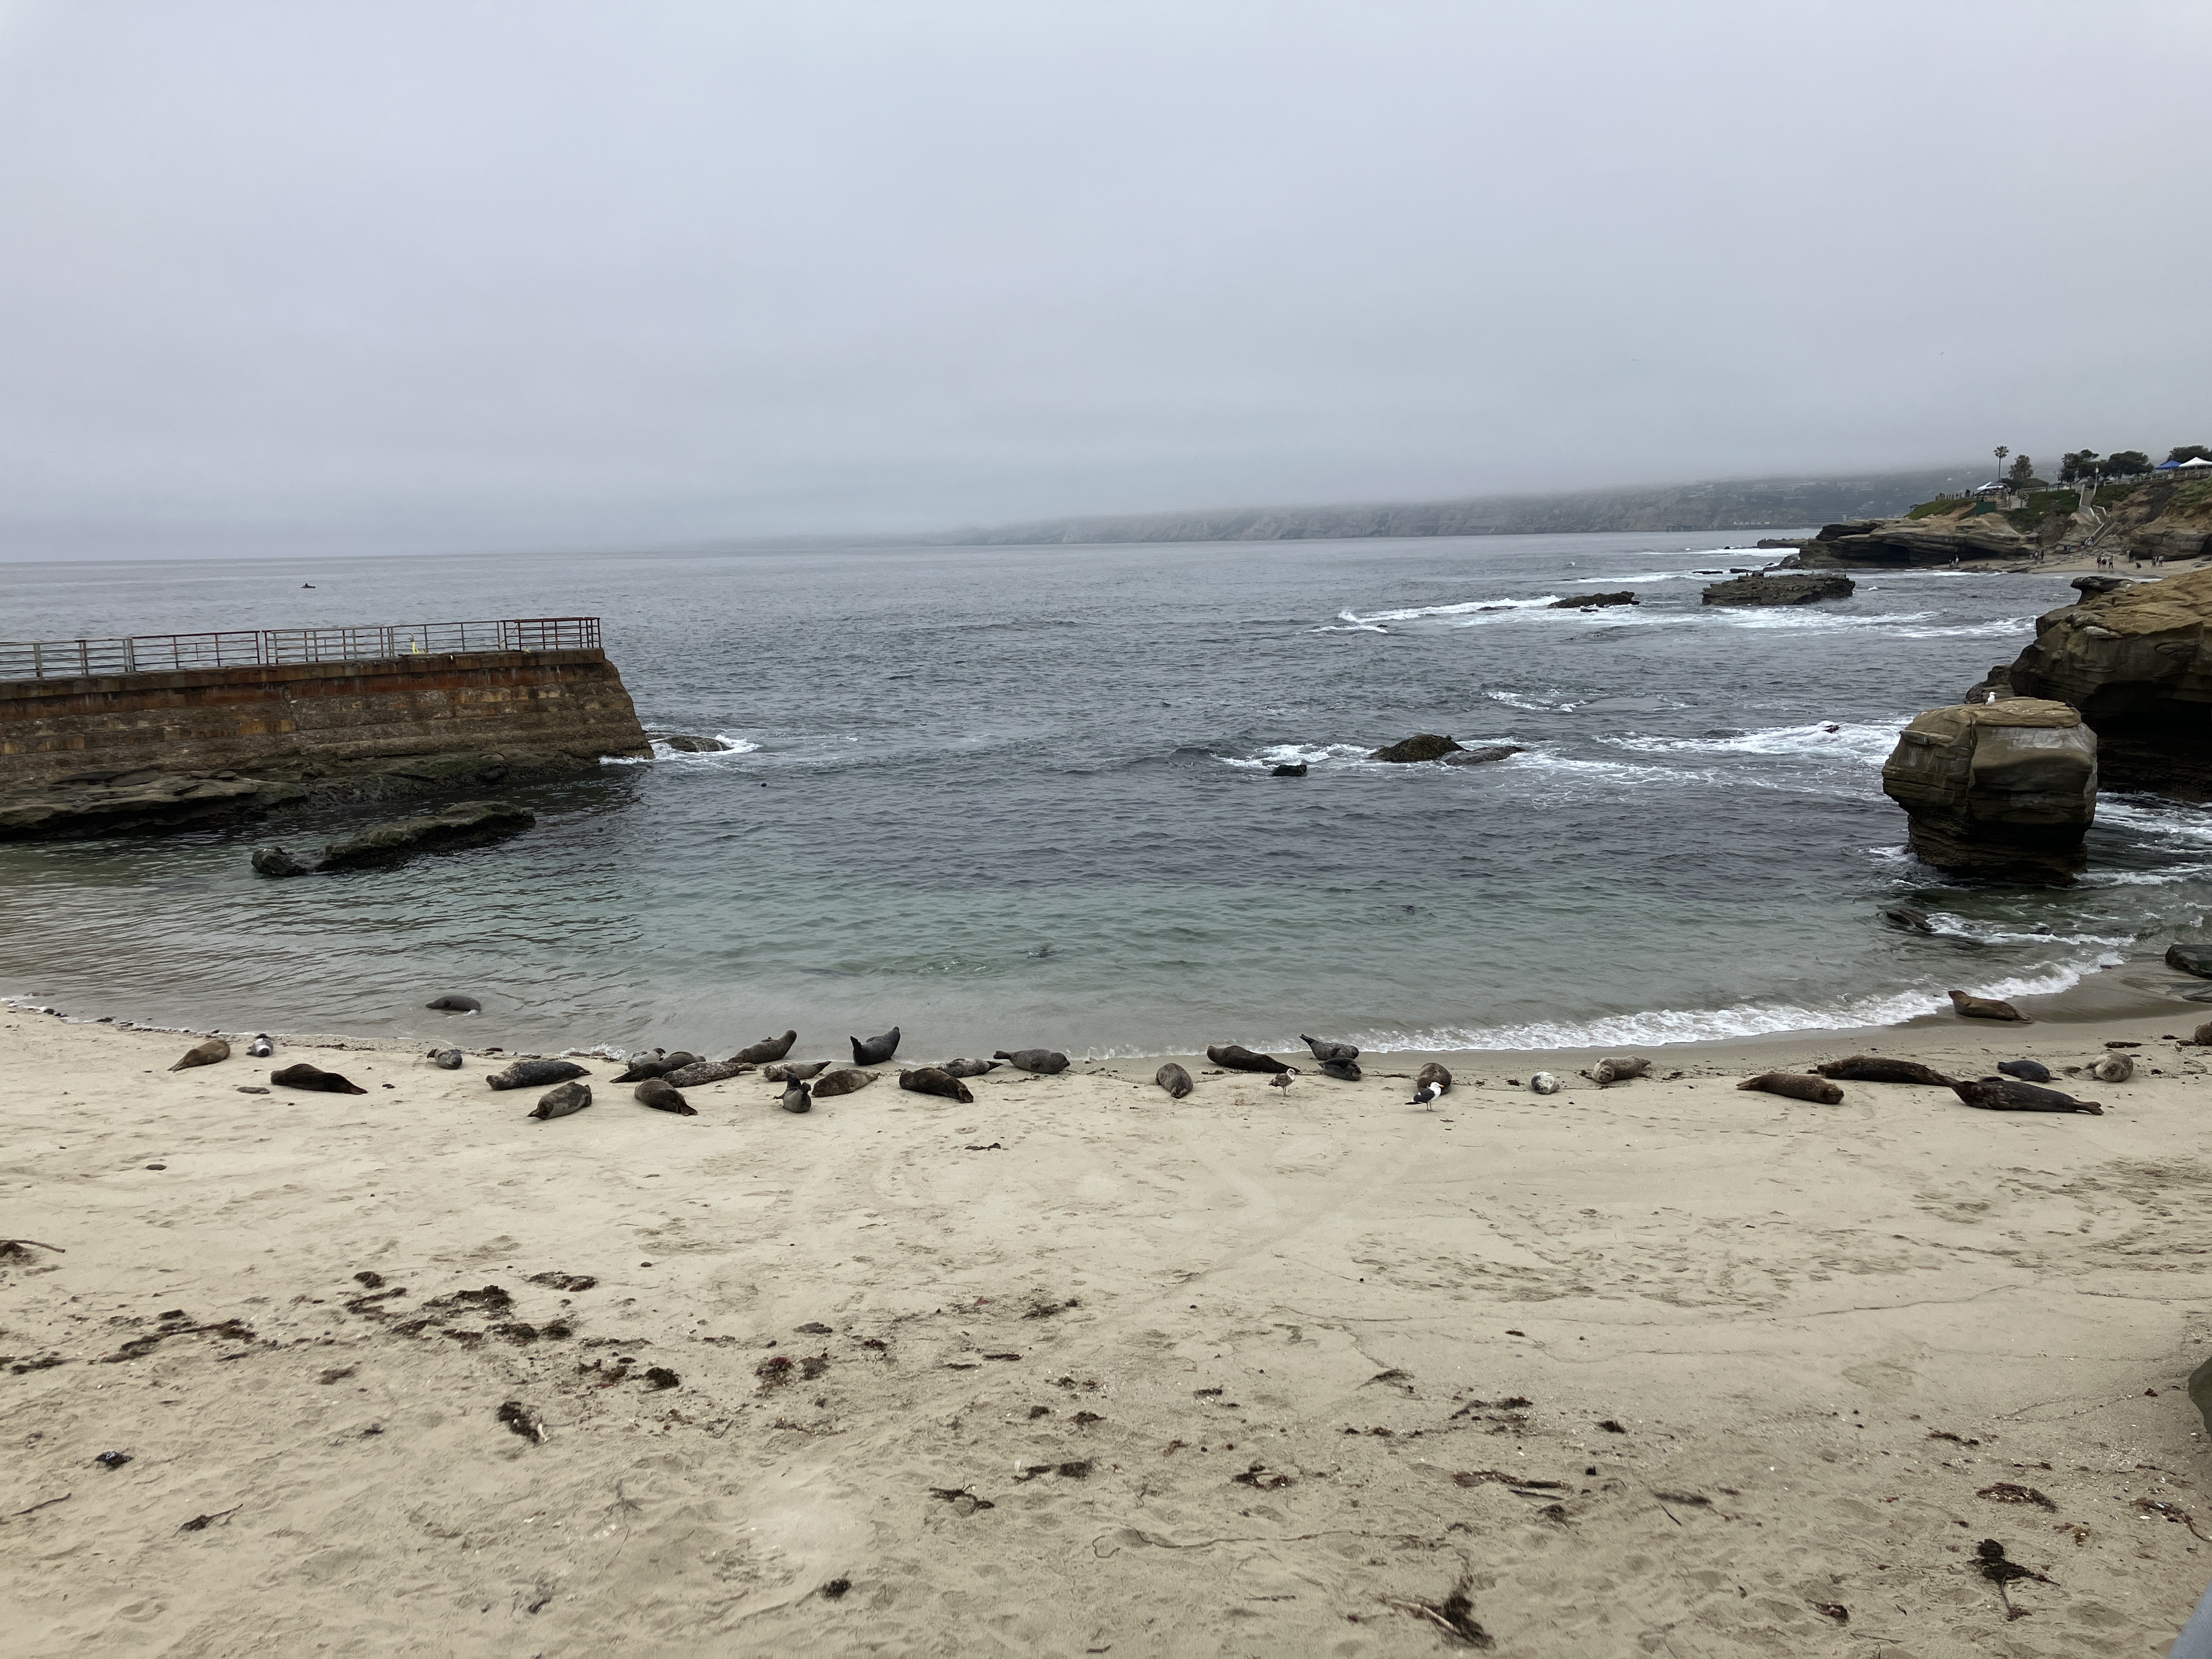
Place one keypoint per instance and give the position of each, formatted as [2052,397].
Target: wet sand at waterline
[1665,1368]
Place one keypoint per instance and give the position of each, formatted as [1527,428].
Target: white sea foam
[1854,741]
[1311,753]
[1658,1027]
[1416,613]
[661,751]
[1534,704]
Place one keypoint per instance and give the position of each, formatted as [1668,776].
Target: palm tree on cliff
[2002,450]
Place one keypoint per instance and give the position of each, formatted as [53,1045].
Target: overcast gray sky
[465,273]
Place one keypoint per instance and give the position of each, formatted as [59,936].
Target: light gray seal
[447,1059]
[1326,1051]
[842,1081]
[797,1098]
[1175,1080]
[968,1067]
[531,1074]
[1045,1062]
[794,1071]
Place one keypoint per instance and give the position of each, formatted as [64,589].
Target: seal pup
[1972,1007]
[1282,1080]
[1543,1082]
[1344,1070]
[934,1080]
[301,1075]
[1237,1058]
[1045,1062]
[1427,1094]
[1619,1068]
[842,1081]
[1175,1080]
[968,1067]
[1880,1068]
[261,1047]
[2004,1094]
[451,1004]
[2027,1071]
[1796,1085]
[2110,1067]
[798,1071]
[797,1098]
[529,1073]
[447,1059]
[662,1097]
[1434,1073]
[876,1051]
[768,1048]
[560,1102]
[1326,1051]
[205,1054]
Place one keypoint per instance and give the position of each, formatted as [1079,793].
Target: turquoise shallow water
[1006,796]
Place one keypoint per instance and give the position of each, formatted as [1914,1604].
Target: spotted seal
[532,1074]
[570,1096]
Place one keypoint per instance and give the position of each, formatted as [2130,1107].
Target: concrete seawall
[218,719]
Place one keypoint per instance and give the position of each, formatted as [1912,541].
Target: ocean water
[1020,796]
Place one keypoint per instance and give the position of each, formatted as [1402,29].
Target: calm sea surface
[1012,797]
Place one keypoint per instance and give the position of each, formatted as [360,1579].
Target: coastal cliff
[2163,516]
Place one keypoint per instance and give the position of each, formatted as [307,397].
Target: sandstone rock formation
[2004,790]
[1761,589]
[2134,662]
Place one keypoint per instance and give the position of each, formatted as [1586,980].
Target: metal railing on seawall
[270,648]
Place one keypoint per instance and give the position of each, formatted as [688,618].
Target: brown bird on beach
[1282,1080]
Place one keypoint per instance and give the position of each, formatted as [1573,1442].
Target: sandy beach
[1664,1368]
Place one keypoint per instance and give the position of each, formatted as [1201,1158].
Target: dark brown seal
[1796,1085]
[1430,1073]
[842,1081]
[559,1102]
[1880,1068]
[2004,1094]
[662,1097]
[768,1048]
[875,1050]
[1323,1049]
[455,1005]
[1237,1058]
[301,1075]
[935,1080]
[1175,1080]
[206,1053]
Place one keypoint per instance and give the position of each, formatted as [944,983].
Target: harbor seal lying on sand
[1175,1080]
[2027,1071]
[662,1097]
[1045,1062]
[301,1075]
[534,1073]
[206,1053]
[1880,1069]
[934,1080]
[1325,1050]
[1985,1007]
[797,1098]
[842,1081]
[261,1047]
[1237,1058]
[768,1048]
[2110,1068]
[1543,1082]
[801,1071]
[1796,1085]
[703,1070]
[559,1102]
[1344,1070]
[656,1064]
[455,1005]
[447,1059]
[1434,1073]
[2003,1094]
[1619,1068]
[876,1051]
[968,1067]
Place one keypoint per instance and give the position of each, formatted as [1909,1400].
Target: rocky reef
[2132,661]
[2166,516]
[2004,790]
[1762,589]
[464,823]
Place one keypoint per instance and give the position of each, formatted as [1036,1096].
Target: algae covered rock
[1421,746]
[1759,589]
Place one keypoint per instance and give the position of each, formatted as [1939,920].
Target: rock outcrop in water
[2003,790]
[1761,589]
[1593,601]
[1421,746]
[2133,662]
[465,823]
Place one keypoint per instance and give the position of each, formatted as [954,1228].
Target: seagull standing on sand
[1427,1096]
